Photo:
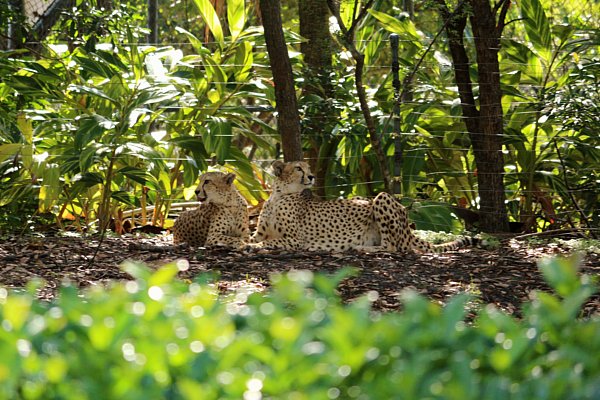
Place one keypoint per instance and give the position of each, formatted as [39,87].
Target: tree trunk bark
[288,119]
[484,124]
[314,27]
[487,144]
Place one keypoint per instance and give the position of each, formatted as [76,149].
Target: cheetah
[220,220]
[292,220]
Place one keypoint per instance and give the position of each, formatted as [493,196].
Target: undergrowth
[157,337]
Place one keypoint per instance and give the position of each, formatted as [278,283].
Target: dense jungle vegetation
[105,116]
[95,121]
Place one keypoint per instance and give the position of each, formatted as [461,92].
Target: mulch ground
[504,276]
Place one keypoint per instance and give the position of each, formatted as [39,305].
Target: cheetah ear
[229,178]
[278,166]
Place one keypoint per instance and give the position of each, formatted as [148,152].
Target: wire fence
[430,177]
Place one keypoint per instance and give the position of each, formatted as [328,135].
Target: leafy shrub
[159,338]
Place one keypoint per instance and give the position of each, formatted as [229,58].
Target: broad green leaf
[214,96]
[118,89]
[349,9]
[564,32]
[26,85]
[537,26]
[9,150]
[90,179]
[16,311]
[125,198]
[243,60]
[157,95]
[26,128]
[434,217]
[164,275]
[246,173]
[92,91]
[211,19]
[196,146]
[373,48]
[413,163]
[135,174]
[561,274]
[535,69]
[51,187]
[215,72]
[196,43]
[44,73]
[91,128]
[236,17]
[5,91]
[112,58]
[404,27]
[218,138]
[92,64]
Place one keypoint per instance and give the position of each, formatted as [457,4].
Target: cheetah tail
[424,246]
[456,244]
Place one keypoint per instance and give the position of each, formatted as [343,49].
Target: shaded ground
[504,276]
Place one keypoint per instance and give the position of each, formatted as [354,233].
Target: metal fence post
[394,40]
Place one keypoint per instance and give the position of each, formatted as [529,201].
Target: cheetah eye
[206,181]
[299,169]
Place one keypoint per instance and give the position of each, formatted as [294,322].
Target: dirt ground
[504,275]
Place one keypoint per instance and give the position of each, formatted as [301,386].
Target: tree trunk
[288,121]
[318,120]
[487,144]
[153,21]
[484,124]
[314,26]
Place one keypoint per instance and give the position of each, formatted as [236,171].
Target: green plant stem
[103,210]
[528,211]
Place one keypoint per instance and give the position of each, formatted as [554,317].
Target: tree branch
[501,24]
[359,58]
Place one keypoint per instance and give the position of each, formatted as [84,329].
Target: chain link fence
[27,20]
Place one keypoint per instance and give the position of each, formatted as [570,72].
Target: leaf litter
[504,276]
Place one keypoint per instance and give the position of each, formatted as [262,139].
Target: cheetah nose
[199,195]
[311,178]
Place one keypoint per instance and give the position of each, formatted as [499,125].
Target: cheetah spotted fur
[220,220]
[292,220]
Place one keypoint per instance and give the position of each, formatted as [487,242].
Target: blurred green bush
[160,338]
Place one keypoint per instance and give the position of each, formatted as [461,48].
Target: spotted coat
[220,220]
[293,220]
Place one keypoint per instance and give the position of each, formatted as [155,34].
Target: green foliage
[156,337]
[97,121]
[108,126]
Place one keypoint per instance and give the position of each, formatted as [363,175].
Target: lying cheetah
[291,219]
[220,220]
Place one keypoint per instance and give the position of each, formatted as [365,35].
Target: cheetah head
[215,187]
[292,177]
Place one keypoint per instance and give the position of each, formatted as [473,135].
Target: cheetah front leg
[276,231]
[371,249]
[220,234]
[225,241]
[283,243]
